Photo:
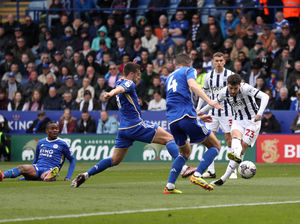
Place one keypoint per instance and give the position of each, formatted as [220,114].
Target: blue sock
[99,167]
[172,148]
[12,173]
[207,159]
[176,168]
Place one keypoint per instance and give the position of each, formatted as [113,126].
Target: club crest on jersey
[55,146]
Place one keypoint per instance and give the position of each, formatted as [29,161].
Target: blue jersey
[180,101]
[50,154]
[128,105]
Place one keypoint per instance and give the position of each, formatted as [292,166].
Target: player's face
[219,62]
[137,76]
[52,131]
[233,90]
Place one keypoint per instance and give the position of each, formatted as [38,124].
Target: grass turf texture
[138,186]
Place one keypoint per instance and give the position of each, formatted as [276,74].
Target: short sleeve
[249,90]
[128,85]
[222,94]
[191,73]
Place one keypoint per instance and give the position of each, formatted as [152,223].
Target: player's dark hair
[130,67]
[218,54]
[183,59]
[50,122]
[234,80]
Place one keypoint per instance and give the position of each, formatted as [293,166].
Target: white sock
[236,146]
[183,169]
[211,167]
[197,174]
[170,186]
[86,175]
[230,168]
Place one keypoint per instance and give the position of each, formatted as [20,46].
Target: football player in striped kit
[247,119]
[214,81]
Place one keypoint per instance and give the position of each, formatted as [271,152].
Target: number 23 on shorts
[249,133]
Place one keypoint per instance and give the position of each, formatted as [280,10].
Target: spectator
[55,15]
[269,123]
[228,21]
[52,101]
[154,87]
[283,64]
[68,55]
[283,103]
[280,22]
[260,84]
[178,28]
[75,62]
[14,68]
[90,62]
[250,38]
[68,86]
[166,41]
[39,125]
[137,49]
[102,49]
[80,74]
[101,86]
[112,76]
[128,23]
[4,101]
[188,13]
[23,67]
[254,74]
[30,31]
[86,124]
[59,28]
[159,62]
[148,75]
[267,36]
[143,105]
[68,39]
[214,38]
[105,63]
[110,104]
[260,23]
[63,73]
[144,60]
[207,62]
[17,102]
[34,103]
[101,35]
[68,102]
[10,25]
[22,48]
[295,105]
[238,69]
[272,81]
[284,35]
[141,23]
[67,123]
[107,124]
[58,62]
[294,49]
[204,48]
[242,26]
[157,103]
[149,41]
[46,58]
[238,47]
[275,49]
[88,103]
[162,23]
[272,100]
[84,42]
[194,33]
[45,72]
[83,7]
[121,49]
[227,46]
[292,78]
[125,60]
[295,126]
[111,26]
[49,83]
[85,86]
[12,86]
[6,64]
[154,14]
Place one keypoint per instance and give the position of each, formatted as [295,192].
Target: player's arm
[198,91]
[221,97]
[72,162]
[206,91]
[37,153]
[113,92]
[263,104]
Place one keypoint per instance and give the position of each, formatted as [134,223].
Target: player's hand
[199,113]
[206,118]
[215,105]
[107,96]
[67,179]
[257,118]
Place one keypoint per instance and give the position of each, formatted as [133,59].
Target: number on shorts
[230,122]
[249,133]
[172,84]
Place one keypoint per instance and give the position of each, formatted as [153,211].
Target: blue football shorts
[40,170]
[189,127]
[143,132]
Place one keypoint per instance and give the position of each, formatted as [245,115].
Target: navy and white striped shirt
[243,104]
[213,83]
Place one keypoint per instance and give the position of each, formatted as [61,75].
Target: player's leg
[236,146]
[163,137]
[28,171]
[228,140]
[50,175]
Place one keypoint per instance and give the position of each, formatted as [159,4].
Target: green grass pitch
[136,188]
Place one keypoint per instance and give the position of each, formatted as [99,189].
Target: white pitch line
[144,210]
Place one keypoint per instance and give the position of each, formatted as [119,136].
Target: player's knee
[116,161]
[228,143]
[21,168]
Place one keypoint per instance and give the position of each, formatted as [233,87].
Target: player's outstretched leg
[1,176]
[12,173]
[210,173]
[237,150]
[230,169]
[51,175]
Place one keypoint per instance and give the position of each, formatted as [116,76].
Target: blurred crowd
[68,63]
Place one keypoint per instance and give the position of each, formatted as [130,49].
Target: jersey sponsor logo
[237,105]
[46,152]
[216,90]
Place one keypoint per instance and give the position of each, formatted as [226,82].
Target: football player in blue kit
[134,128]
[50,156]
[182,117]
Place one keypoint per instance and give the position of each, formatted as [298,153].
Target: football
[247,169]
